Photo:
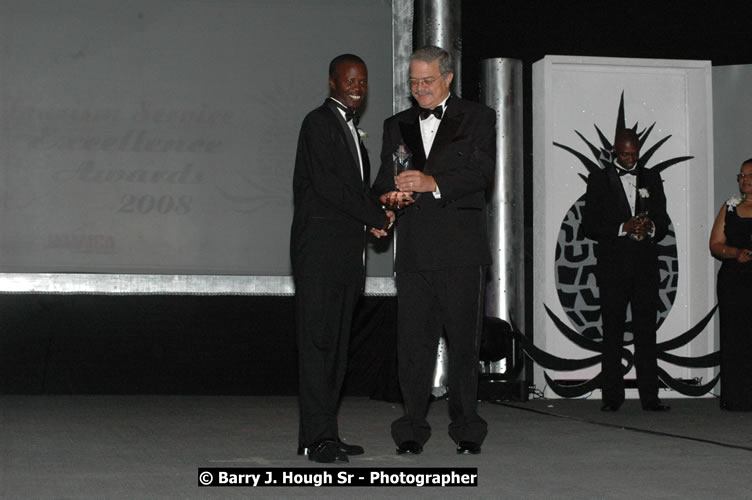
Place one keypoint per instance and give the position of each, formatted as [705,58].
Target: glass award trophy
[402,159]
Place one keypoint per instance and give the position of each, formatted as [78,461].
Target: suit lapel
[410,130]
[346,131]
[643,181]
[448,127]
[617,188]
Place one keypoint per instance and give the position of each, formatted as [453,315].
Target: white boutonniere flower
[643,192]
[733,202]
[362,135]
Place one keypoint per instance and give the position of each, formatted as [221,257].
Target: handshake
[407,183]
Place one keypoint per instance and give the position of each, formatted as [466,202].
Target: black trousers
[323,321]
[427,301]
[630,277]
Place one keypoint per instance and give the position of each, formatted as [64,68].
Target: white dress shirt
[629,183]
[428,128]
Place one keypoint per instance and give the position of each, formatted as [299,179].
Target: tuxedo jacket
[334,206]
[451,231]
[606,208]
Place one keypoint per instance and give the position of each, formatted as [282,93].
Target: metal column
[501,89]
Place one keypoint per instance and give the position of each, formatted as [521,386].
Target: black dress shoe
[347,449]
[326,452]
[410,448]
[608,407]
[468,448]
[350,449]
[656,407]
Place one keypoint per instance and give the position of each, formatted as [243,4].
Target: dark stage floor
[152,447]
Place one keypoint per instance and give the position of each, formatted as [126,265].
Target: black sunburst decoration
[578,292]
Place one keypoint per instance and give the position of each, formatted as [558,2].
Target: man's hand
[388,223]
[641,227]
[391,217]
[648,226]
[415,181]
[395,200]
[644,226]
[632,225]
[378,233]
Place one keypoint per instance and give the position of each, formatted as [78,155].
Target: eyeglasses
[427,82]
[742,176]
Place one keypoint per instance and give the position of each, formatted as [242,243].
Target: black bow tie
[352,115]
[438,111]
[349,113]
[623,171]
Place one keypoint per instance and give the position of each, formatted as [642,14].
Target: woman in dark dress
[731,242]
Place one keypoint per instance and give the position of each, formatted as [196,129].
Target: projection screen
[157,138]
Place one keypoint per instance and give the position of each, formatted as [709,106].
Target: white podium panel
[577,103]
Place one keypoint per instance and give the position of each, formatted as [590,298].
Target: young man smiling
[334,206]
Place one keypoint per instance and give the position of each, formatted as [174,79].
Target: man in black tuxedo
[442,246]
[333,208]
[625,212]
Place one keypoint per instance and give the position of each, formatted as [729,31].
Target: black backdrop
[245,345]
[69,344]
